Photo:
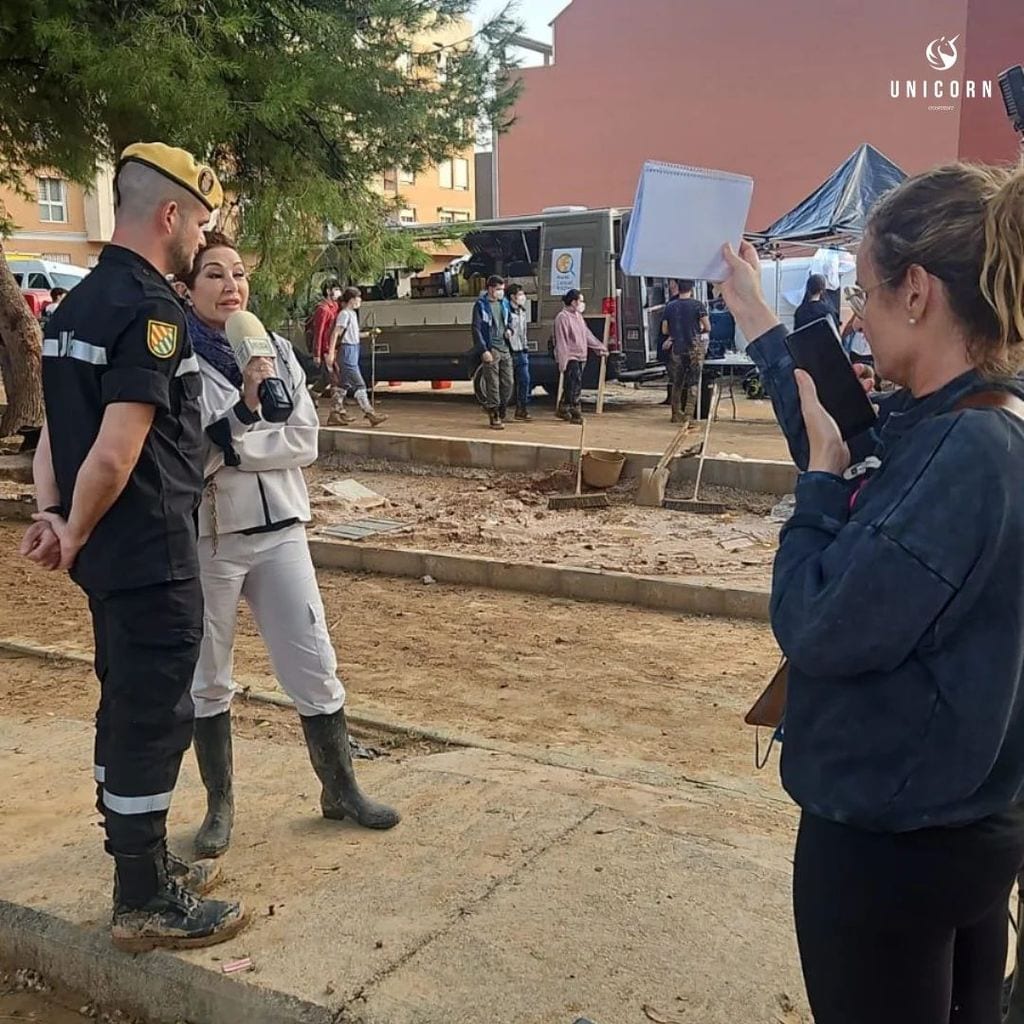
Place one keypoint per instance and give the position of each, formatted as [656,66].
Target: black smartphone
[818,349]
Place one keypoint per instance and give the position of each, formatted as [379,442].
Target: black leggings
[907,928]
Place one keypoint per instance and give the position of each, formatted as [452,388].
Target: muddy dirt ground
[506,516]
[633,687]
[632,421]
[26,996]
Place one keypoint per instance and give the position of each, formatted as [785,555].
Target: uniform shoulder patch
[162,338]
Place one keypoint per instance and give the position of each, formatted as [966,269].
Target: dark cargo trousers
[147,644]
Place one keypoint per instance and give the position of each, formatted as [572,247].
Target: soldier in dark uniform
[118,476]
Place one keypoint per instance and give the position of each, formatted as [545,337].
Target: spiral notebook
[681,218]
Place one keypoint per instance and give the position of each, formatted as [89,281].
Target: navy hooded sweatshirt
[898,598]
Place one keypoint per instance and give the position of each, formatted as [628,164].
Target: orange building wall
[779,90]
[67,238]
[427,197]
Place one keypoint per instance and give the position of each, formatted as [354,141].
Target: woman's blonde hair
[964,224]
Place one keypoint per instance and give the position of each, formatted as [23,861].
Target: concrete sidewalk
[512,892]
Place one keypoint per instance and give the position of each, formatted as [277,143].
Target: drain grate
[358,529]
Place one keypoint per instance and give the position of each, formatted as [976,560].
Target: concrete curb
[550,580]
[525,457]
[157,986]
[18,508]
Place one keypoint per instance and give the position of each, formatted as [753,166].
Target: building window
[454,173]
[407,216]
[92,260]
[391,180]
[406,177]
[53,201]
[445,216]
[57,257]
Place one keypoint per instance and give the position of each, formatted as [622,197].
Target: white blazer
[267,486]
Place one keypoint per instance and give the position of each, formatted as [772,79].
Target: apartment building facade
[61,221]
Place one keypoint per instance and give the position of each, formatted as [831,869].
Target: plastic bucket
[602,469]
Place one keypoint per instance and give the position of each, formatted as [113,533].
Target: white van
[39,274]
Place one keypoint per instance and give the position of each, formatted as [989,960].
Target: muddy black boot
[575,414]
[522,413]
[198,876]
[495,420]
[153,911]
[327,740]
[213,752]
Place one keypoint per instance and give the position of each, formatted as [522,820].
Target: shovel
[653,482]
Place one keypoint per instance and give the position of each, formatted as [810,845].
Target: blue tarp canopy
[836,212]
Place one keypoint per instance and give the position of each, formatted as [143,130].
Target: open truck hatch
[509,252]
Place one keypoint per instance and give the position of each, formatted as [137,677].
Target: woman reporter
[898,597]
[252,546]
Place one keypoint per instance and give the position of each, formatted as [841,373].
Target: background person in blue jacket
[518,320]
[490,335]
[900,604]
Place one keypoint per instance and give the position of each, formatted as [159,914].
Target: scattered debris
[362,528]
[428,579]
[27,980]
[352,492]
[781,512]
[236,966]
[357,749]
[658,1017]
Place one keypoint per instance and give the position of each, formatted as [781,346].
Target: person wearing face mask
[897,598]
[342,361]
[253,547]
[573,341]
[518,321]
[321,322]
[491,341]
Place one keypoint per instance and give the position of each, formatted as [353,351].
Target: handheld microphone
[249,340]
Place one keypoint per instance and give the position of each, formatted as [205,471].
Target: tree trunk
[22,364]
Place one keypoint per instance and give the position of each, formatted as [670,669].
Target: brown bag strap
[993,400]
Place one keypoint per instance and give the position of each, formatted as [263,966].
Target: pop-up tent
[832,217]
[835,213]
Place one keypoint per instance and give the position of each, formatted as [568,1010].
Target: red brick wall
[995,41]
[766,88]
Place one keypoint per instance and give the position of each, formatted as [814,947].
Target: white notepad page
[681,218]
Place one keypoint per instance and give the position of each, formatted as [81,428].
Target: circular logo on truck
[564,263]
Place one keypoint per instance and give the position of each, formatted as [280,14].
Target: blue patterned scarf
[213,346]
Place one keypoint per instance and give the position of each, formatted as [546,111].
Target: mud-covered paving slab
[511,891]
[506,516]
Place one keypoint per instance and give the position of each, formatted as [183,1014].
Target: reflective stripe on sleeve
[99,773]
[74,348]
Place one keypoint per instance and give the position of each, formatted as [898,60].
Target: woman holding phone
[898,598]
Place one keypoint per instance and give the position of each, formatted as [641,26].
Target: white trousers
[275,575]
